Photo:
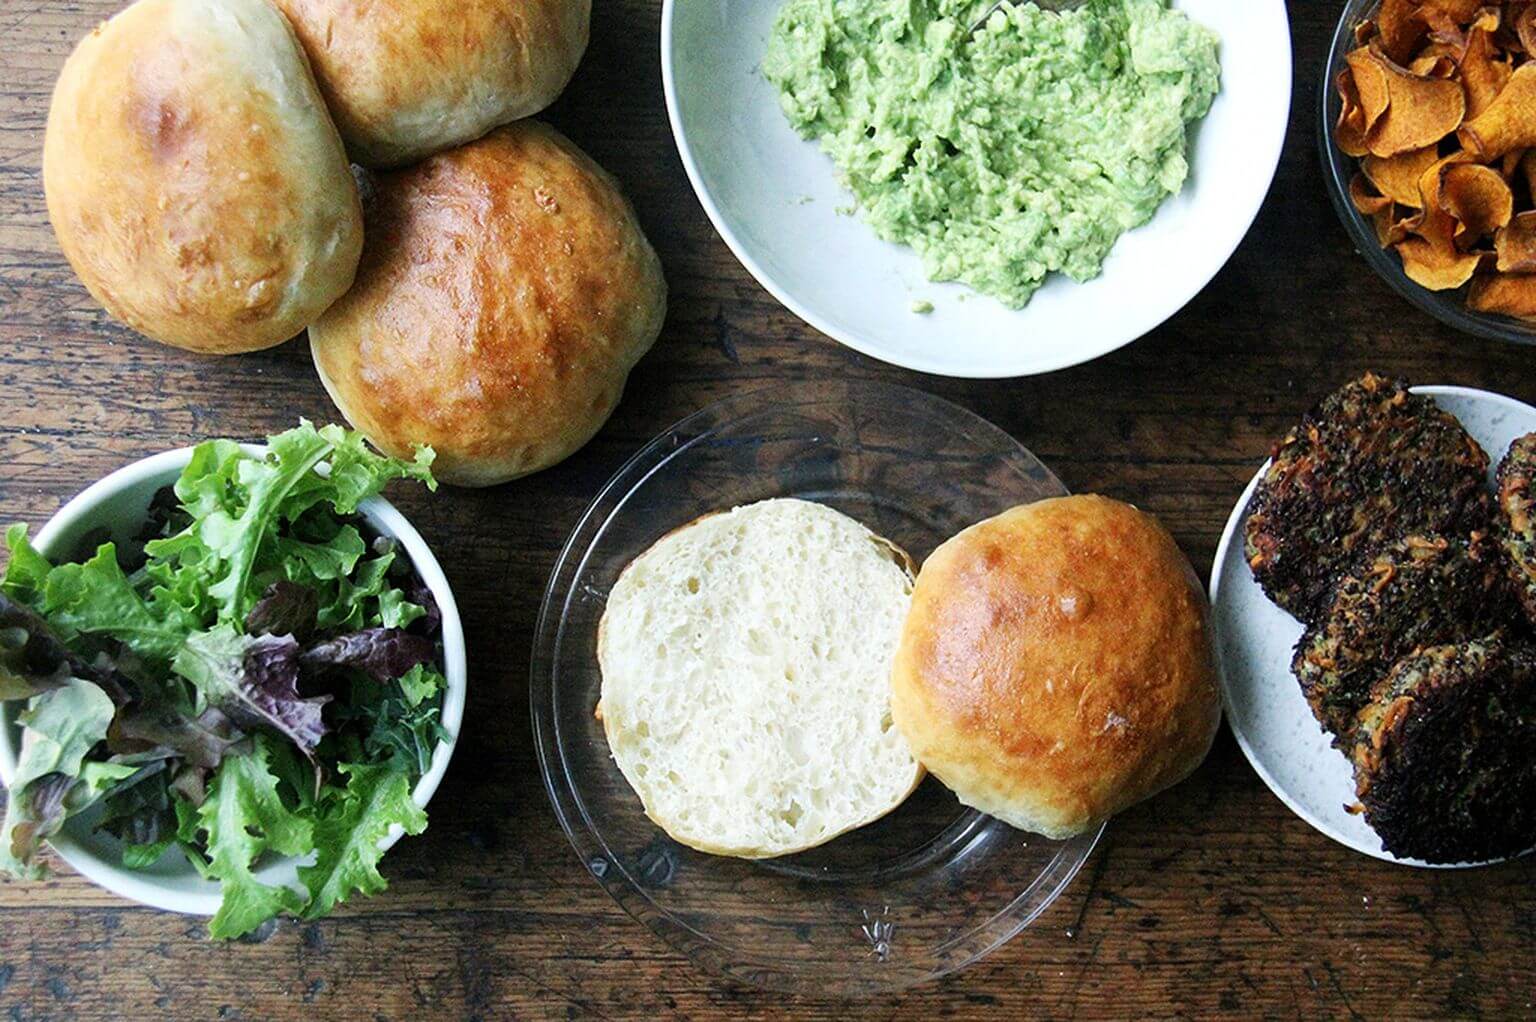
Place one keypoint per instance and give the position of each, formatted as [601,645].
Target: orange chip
[1528,170]
[1420,111]
[1525,29]
[1449,12]
[1483,74]
[1477,198]
[1366,202]
[1429,181]
[1349,133]
[1401,28]
[1368,73]
[1509,123]
[1433,65]
[1397,177]
[1510,165]
[1516,244]
[1381,210]
[1389,229]
[1504,294]
[1437,266]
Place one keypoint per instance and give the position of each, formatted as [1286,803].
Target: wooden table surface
[1213,899]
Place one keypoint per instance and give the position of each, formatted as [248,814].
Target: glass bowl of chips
[1428,141]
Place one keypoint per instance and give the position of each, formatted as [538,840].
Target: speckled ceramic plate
[1272,721]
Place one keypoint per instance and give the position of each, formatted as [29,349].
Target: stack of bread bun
[489,297]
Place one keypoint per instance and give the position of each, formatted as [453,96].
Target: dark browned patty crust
[1371,463]
[1517,519]
[1443,763]
[1416,591]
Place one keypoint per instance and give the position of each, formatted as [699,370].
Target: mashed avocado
[1028,147]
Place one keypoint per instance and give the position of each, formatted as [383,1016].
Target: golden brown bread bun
[1056,666]
[408,78]
[194,178]
[504,295]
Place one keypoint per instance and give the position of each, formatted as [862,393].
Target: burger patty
[1443,764]
[1416,591]
[1371,463]
[1517,519]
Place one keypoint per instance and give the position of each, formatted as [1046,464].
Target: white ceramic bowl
[774,199]
[118,503]
[1272,722]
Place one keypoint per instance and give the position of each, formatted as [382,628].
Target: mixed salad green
[253,675]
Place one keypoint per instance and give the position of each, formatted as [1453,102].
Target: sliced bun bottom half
[746,679]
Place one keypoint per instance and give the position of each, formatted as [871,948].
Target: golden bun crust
[505,293]
[408,78]
[194,179]
[1056,666]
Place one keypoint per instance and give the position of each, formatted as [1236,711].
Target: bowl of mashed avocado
[974,194]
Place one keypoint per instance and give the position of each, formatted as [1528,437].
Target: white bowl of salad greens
[231,677]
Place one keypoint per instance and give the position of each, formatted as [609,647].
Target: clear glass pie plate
[927,890]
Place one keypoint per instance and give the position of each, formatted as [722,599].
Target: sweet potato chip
[1484,74]
[1511,162]
[1437,266]
[1528,170]
[1381,210]
[1368,73]
[1504,294]
[1477,198]
[1366,201]
[1434,65]
[1516,245]
[1509,123]
[1449,12]
[1401,28]
[1429,181]
[1397,177]
[1525,29]
[1420,111]
[1349,133]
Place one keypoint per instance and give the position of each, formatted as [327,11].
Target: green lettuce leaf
[59,728]
[348,833]
[237,502]
[333,559]
[244,817]
[420,683]
[95,597]
[26,570]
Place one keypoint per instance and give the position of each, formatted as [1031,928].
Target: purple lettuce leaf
[254,680]
[285,608]
[384,654]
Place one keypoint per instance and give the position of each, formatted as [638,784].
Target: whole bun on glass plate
[505,292]
[194,178]
[1057,666]
[408,78]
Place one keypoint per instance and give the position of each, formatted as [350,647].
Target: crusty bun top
[1056,666]
[408,78]
[194,178]
[505,292]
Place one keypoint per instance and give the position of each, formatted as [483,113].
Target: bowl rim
[1270,158]
[1232,533]
[1449,307]
[706,952]
[382,516]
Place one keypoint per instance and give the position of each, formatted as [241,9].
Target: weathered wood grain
[1212,900]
